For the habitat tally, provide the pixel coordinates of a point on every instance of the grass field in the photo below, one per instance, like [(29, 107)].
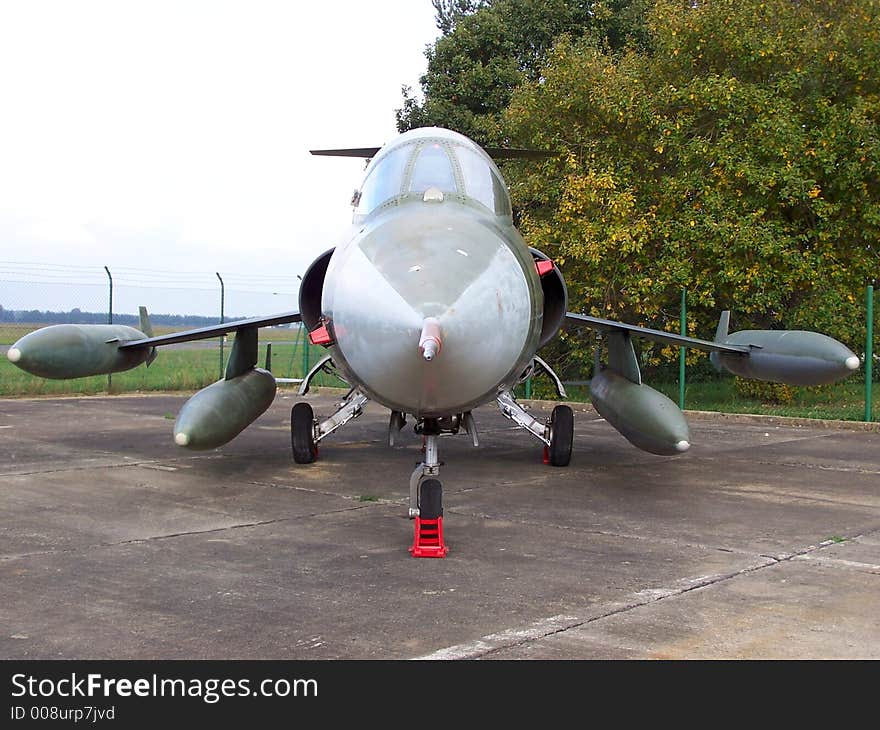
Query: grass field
[(191, 369), (844, 400), (173, 369)]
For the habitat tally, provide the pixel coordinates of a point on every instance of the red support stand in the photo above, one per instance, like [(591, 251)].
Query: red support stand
[(428, 540), (546, 454)]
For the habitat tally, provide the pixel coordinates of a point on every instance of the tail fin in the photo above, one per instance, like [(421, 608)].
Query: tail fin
[(721, 333), (147, 328), (723, 326)]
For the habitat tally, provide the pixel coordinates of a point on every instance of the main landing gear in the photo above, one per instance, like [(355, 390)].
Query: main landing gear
[(306, 431), (557, 434)]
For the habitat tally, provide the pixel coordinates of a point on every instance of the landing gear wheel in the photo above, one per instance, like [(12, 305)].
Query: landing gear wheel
[(561, 435), (430, 499), (302, 433)]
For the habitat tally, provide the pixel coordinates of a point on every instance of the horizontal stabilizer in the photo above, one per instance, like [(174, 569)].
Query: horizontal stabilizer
[(498, 153), (365, 152)]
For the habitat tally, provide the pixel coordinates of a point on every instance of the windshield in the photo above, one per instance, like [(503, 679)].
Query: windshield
[(447, 165), (432, 169)]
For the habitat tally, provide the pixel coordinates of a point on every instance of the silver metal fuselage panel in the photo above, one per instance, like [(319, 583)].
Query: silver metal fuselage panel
[(451, 260)]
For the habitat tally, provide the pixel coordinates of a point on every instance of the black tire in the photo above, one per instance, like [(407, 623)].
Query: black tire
[(430, 499), (561, 435), (302, 433)]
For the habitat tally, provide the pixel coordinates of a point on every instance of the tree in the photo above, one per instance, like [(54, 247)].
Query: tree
[(489, 47), (739, 158), (449, 12)]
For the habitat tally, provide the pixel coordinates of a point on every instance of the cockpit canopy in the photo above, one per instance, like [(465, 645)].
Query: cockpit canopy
[(433, 159)]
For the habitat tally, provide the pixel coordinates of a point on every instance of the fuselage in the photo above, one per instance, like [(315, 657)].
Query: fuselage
[(433, 241)]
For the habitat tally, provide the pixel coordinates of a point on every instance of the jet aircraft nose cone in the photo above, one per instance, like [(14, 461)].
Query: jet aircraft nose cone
[(852, 362), (13, 354)]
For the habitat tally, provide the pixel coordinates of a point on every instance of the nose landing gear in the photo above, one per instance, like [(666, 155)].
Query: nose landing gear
[(426, 497)]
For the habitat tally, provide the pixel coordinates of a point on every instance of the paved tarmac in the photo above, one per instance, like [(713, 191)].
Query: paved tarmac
[(762, 541)]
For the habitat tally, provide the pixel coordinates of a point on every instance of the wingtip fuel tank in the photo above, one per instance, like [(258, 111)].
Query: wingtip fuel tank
[(64, 351), (793, 357)]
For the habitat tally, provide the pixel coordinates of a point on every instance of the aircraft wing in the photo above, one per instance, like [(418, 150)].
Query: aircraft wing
[(667, 338), (215, 330)]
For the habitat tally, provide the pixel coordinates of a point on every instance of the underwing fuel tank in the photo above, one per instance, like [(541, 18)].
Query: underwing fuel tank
[(64, 351), (793, 357), (217, 414), (644, 416)]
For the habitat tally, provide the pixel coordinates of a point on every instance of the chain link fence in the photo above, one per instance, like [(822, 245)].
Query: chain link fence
[(34, 296), (37, 295)]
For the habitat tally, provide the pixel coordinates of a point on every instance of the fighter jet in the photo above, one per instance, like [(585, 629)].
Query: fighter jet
[(434, 306)]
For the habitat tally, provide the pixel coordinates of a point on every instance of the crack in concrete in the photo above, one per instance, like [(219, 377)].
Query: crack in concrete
[(556, 625), (604, 533), (117, 465), (784, 496), (349, 497), (821, 467), (168, 536)]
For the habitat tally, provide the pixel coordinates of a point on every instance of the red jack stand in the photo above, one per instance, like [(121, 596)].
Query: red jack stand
[(428, 540), (546, 454)]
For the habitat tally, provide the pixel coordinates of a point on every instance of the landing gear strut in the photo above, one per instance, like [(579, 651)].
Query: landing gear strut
[(306, 431), (426, 497), (427, 469), (556, 434)]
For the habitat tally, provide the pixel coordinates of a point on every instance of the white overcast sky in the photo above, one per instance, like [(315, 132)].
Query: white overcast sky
[(175, 135)]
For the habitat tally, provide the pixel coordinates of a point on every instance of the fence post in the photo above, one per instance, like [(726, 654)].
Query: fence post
[(683, 350), (109, 321), (222, 319), (869, 349)]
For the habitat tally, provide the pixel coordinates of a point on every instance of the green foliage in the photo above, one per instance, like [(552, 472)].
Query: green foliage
[(740, 159), (449, 12), (490, 47), (764, 391)]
